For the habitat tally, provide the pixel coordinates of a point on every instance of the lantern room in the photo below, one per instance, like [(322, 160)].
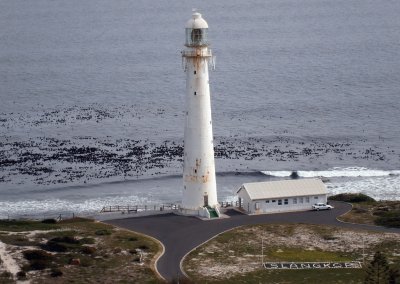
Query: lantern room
[(196, 31)]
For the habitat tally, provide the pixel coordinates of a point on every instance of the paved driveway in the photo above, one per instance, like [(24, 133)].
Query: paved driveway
[(180, 234)]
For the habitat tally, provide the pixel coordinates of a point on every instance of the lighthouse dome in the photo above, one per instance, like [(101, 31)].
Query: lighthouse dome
[(196, 22), (196, 31)]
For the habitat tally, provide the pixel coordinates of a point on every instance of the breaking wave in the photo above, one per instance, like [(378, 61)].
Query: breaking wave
[(335, 172)]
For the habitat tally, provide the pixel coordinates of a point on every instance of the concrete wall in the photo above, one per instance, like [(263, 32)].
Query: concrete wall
[(283, 204)]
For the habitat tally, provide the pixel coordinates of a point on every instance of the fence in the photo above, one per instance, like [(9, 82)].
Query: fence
[(139, 208), (155, 207)]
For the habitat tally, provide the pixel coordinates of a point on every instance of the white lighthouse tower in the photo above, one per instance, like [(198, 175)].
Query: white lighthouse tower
[(199, 190)]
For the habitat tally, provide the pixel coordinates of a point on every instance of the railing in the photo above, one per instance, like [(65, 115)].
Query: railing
[(225, 204), (157, 207), (139, 208), (197, 53)]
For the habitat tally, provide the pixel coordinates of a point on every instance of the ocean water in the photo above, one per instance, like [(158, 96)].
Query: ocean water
[(92, 98)]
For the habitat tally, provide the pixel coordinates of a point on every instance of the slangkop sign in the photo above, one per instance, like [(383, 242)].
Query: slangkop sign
[(311, 265)]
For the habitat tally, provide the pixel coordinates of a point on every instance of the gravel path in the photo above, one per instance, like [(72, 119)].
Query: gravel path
[(180, 234)]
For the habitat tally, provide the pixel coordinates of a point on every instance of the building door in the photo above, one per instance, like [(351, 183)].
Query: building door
[(205, 200)]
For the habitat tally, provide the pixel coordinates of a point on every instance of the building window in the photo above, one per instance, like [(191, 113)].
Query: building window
[(194, 72), (294, 200), (300, 199), (307, 199), (279, 201), (286, 201), (273, 200), (315, 197), (266, 201), (195, 93)]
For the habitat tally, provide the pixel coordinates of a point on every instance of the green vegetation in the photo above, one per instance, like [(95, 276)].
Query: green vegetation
[(25, 225), (388, 218), (301, 255), (236, 256), (79, 251), (352, 198), (331, 276), (368, 211), (17, 240), (38, 259), (377, 270)]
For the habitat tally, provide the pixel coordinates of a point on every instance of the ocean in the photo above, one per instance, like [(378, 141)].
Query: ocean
[(92, 99)]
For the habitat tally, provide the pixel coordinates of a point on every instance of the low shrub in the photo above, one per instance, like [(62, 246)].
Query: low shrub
[(76, 220), (329, 237), (21, 275), (143, 247), (87, 241), (38, 264), (54, 246), (56, 272), (49, 221), (389, 219), (360, 210), (37, 255), (25, 225), (88, 250), (65, 239), (133, 251), (352, 197), (103, 232), (6, 274), (61, 244), (38, 259)]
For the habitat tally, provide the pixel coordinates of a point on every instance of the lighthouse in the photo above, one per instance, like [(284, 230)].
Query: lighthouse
[(199, 184)]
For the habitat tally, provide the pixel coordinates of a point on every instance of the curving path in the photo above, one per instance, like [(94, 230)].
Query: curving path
[(180, 234)]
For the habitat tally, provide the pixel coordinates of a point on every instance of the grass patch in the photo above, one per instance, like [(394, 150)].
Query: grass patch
[(57, 234), (301, 255), (76, 220), (17, 240), (329, 276), (103, 232), (25, 225)]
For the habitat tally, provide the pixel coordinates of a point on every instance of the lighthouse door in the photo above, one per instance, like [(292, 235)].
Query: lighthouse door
[(205, 200)]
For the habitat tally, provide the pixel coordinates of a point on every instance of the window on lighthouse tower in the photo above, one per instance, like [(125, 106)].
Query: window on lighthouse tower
[(196, 36)]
